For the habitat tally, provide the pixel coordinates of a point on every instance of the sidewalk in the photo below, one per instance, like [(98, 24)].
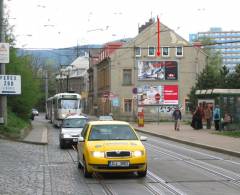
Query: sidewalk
[(38, 134), (203, 138)]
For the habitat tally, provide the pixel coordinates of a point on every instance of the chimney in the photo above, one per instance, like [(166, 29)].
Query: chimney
[(147, 24)]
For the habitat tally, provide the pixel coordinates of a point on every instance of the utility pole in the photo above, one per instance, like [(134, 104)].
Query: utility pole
[(46, 89), (3, 98)]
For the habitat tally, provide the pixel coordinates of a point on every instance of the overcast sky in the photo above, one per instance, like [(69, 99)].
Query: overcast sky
[(65, 23)]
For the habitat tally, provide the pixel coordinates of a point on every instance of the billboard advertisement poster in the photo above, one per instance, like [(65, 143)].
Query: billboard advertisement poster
[(168, 95), (4, 52), (10, 84), (157, 70), (115, 102)]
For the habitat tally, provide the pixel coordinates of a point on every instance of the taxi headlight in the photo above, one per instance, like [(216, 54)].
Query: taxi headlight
[(137, 153), (98, 154)]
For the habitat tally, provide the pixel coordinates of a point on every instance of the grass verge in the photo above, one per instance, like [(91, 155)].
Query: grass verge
[(15, 128), (229, 133)]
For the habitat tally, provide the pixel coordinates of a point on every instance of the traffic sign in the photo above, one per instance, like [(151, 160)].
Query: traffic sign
[(157, 96), (134, 90)]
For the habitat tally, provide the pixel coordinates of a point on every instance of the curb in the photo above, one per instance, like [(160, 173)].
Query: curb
[(32, 142), (24, 141), (43, 140), (215, 149)]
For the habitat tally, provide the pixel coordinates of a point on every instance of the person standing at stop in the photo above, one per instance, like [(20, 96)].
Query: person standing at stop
[(216, 117)]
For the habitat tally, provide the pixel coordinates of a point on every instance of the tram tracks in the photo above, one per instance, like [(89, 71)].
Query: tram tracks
[(155, 185), (107, 189), (214, 170)]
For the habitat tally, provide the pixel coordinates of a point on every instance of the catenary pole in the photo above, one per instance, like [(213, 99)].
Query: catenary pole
[(46, 89), (3, 98)]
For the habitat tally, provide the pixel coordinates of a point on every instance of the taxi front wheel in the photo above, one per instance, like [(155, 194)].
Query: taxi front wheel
[(142, 173), (86, 173)]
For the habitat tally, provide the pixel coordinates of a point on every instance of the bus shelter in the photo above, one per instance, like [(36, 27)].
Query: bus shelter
[(227, 99)]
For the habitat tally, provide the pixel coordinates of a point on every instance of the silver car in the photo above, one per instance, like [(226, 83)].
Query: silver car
[(70, 130)]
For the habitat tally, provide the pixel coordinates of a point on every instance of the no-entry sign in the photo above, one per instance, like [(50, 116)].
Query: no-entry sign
[(157, 96)]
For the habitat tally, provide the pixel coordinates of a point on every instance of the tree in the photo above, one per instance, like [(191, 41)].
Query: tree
[(30, 87), (210, 77), (233, 78), (223, 79)]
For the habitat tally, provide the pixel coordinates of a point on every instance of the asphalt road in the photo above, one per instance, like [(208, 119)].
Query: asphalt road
[(173, 169)]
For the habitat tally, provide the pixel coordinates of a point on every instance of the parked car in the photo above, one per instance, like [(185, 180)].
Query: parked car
[(35, 112), (71, 129), (111, 146)]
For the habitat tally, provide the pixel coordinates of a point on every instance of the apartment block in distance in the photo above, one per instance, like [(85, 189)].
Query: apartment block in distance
[(228, 44)]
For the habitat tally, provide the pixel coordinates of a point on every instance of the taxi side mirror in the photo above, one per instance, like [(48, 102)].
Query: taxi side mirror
[(80, 139), (143, 138)]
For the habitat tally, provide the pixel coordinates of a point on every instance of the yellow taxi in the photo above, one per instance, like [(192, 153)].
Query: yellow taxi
[(111, 146)]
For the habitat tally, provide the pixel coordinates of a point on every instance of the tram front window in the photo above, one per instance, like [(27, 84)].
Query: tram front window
[(69, 104)]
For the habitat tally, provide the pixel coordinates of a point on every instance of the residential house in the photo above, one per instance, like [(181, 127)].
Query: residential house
[(74, 77), (129, 79)]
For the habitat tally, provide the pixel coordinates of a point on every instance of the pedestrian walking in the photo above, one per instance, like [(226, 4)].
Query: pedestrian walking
[(216, 117), (208, 115), (177, 116)]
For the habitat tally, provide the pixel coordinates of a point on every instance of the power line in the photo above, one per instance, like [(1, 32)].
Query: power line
[(130, 47)]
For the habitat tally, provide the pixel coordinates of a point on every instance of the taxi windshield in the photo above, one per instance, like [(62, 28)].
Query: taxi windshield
[(111, 132)]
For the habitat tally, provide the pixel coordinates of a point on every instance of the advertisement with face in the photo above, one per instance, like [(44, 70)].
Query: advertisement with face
[(157, 70)]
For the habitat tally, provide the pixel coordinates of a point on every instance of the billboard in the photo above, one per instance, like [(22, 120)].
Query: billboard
[(4, 52), (168, 95), (157, 70), (10, 84)]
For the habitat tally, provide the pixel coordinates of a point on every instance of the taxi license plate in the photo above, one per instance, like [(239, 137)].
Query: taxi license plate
[(75, 139), (118, 163)]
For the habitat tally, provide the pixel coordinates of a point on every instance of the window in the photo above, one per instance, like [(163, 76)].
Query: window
[(138, 51), (84, 131), (127, 105), (151, 51), (165, 51), (74, 123), (179, 51), (127, 77), (112, 132)]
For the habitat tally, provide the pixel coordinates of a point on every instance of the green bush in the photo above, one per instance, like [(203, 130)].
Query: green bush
[(14, 127)]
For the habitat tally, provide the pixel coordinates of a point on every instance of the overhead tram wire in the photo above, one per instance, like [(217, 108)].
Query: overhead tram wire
[(121, 48), (209, 44)]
